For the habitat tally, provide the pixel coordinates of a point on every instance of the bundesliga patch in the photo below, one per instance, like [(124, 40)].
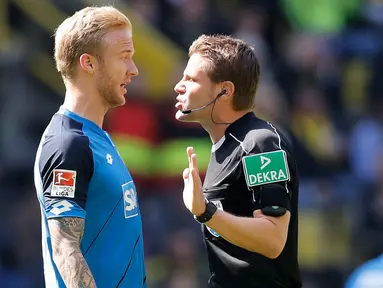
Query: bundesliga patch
[(266, 168), (64, 183)]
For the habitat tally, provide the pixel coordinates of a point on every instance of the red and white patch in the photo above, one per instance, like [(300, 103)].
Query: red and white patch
[(64, 183)]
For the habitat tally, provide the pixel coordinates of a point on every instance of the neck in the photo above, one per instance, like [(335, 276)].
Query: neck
[(217, 131), (85, 103)]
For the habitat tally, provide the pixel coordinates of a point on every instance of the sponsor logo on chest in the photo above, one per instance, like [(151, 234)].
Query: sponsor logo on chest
[(130, 200)]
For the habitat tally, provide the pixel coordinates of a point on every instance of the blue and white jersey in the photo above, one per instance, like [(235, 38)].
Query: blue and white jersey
[(368, 275), (79, 173)]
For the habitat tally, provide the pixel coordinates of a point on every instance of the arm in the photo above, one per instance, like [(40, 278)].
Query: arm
[(267, 175), (66, 167), (66, 234), (263, 234)]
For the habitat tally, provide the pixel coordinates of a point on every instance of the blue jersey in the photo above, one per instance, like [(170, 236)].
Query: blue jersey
[(79, 173), (368, 275)]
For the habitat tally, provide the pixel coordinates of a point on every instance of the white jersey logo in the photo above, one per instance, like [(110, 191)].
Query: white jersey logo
[(60, 178), (109, 159), (130, 200)]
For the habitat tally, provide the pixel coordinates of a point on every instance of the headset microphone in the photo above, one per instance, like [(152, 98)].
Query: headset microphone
[(204, 106)]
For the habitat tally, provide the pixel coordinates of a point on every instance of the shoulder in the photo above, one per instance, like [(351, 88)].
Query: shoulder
[(65, 147), (265, 137), (66, 142), (64, 134), (73, 142)]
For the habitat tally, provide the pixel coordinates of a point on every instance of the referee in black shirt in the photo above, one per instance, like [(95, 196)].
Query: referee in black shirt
[(248, 203)]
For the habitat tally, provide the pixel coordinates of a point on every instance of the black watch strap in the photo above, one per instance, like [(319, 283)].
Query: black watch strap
[(209, 212)]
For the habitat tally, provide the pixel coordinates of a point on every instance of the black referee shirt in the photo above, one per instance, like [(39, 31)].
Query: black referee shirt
[(241, 186)]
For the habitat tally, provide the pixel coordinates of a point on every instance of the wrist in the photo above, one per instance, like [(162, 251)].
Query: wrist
[(202, 210), (210, 210)]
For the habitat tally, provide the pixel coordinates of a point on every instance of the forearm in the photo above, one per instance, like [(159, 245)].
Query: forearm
[(66, 234), (72, 266), (258, 235)]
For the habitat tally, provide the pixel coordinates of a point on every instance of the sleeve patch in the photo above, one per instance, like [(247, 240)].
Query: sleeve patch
[(64, 183), (64, 208), (266, 168)]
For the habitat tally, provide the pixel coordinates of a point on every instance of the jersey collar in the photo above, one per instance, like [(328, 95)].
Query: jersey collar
[(217, 145), (81, 119), (240, 124)]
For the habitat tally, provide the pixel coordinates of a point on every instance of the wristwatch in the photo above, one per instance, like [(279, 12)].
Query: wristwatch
[(209, 212)]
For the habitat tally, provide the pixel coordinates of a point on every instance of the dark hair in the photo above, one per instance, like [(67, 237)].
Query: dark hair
[(231, 60)]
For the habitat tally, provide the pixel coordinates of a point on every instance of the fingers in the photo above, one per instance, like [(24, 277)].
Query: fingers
[(192, 157), (194, 161), (191, 173), (189, 152), (195, 180)]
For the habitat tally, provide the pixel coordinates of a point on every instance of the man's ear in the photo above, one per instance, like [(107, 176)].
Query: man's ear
[(87, 63), (227, 90)]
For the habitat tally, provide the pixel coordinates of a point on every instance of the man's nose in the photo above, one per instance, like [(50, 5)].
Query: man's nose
[(180, 88), (133, 70)]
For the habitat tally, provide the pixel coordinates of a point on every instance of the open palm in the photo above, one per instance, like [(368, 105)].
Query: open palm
[(193, 197)]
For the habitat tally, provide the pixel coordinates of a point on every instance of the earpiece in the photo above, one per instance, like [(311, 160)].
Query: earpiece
[(223, 92)]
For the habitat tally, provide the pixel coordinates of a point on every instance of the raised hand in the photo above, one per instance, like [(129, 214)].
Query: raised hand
[(193, 196)]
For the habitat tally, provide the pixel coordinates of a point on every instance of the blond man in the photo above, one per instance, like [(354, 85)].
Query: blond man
[(91, 223)]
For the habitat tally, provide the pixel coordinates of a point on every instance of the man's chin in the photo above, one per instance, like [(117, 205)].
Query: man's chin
[(183, 117), (123, 100), (117, 103)]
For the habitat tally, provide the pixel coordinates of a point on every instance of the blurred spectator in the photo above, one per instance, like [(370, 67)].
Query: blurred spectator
[(311, 123), (366, 141)]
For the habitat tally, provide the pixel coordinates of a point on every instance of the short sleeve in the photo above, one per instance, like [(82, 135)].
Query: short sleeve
[(267, 171), (66, 168)]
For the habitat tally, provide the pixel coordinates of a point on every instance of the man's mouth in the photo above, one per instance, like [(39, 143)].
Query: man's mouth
[(179, 106), (124, 87)]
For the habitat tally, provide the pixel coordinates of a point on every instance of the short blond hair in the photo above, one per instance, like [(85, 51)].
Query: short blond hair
[(84, 32)]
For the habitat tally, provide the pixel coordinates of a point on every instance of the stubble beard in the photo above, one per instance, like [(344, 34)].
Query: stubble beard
[(107, 91)]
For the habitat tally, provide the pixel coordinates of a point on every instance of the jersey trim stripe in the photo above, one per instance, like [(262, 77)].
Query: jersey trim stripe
[(130, 261), (103, 226), (280, 147), (241, 143)]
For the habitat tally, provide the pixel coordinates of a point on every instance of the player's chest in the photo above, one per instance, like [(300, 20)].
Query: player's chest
[(112, 182)]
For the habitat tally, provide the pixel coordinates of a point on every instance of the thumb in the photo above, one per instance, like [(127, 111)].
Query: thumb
[(185, 175)]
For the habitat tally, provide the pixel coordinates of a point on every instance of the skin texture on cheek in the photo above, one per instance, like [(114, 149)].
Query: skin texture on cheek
[(117, 67)]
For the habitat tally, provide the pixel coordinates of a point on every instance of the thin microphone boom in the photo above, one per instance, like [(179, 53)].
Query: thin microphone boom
[(200, 108), (204, 106)]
